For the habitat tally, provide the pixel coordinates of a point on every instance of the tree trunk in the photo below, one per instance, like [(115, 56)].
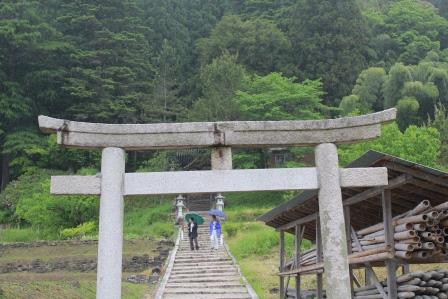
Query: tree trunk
[(4, 174)]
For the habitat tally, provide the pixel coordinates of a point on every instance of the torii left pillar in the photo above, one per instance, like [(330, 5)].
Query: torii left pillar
[(110, 239)]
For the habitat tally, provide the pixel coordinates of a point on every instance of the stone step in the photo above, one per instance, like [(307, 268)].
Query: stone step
[(208, 271), (203, 275), (209, 278), (205, 267), (229, 284), (229, 271), (194, 264), (202, 259), (186, 290), (207, 296), (192, 256)]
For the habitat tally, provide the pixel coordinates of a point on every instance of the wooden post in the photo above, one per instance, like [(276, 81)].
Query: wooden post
[(298, 241), (319, 276), (389, 236), (282, 264), (405, 268), (349, 243)]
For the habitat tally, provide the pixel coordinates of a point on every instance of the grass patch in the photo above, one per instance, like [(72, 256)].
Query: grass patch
[(148, 217), (64, 289), (11, 235), (254, 244)]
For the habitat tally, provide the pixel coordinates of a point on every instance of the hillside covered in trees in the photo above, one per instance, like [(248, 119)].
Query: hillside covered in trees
[(142, 61)]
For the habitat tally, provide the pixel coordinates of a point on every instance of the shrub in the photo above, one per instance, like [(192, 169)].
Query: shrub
[(161, 229), (231, 230), (82, 230)]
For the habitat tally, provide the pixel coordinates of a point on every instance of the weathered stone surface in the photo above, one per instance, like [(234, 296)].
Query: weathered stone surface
[(235, 134), (332, 223), (110, 244), (363, 177), (214, 181), (221, 158), (75, 184), (132, 264)]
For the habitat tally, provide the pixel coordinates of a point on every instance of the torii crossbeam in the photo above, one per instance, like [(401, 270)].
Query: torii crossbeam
[(114, 183)]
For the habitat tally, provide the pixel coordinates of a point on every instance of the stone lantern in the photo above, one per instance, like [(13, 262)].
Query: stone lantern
[(180, 205), (220, 202)]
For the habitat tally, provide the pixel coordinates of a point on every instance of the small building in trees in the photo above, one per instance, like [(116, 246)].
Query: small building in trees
[(413, 209)]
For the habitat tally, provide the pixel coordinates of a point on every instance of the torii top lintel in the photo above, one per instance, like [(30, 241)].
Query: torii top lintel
[(215, 134)]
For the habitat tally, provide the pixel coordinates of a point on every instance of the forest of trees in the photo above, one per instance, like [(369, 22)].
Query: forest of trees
[(141, 61)]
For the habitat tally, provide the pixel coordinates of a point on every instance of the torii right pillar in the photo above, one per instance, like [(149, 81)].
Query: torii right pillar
[(332, 223)]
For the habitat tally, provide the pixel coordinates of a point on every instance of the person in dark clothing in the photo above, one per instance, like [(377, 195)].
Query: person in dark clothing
[(193, 234)]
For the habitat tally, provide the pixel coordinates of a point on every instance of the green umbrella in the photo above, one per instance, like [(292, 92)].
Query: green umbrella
[(196, 218)]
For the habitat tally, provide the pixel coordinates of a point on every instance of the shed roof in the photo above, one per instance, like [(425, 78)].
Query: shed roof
[(420, 182)]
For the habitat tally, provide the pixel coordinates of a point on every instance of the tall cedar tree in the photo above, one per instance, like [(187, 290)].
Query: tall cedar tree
[(31, 55), (329, 38), (111, 70), (182, 23)]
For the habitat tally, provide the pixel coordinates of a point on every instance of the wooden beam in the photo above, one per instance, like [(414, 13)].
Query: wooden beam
[(418, 174), (429, 185), (396, 182), (349, 244), (368, 268), (306, 219), (386, 200), (282, 265), (319, 276), (298, 241)]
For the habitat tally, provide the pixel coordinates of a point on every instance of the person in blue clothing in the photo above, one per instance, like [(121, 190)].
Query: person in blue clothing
[(215, 232)]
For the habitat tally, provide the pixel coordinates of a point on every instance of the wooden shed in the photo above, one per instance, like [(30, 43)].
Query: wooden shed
[(411, 186)]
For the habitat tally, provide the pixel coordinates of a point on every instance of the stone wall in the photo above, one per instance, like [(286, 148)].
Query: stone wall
[(135, 264)]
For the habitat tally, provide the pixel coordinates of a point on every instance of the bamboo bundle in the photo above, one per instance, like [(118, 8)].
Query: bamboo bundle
[(419, 234), (418, 285)]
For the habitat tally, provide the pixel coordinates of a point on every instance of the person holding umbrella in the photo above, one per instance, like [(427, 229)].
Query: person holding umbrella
[(193, 233), (215, 232)]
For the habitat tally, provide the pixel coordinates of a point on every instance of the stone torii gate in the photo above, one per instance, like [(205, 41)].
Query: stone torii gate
[(114, 183)]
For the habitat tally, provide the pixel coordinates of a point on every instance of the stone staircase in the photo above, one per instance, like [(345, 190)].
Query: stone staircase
[(203, 274)]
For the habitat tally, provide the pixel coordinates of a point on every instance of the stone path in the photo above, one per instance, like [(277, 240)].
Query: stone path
[(204, 274)]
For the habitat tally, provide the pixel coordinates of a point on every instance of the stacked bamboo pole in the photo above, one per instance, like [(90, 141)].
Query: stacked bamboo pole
[(418, 285), (420, 234)]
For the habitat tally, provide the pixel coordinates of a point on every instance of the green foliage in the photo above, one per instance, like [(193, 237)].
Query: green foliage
[(417, 144), (330, 40), (247, 160), (405, 31), (12, 235), (28, 200), (254, 199), (82, 230), (161, 229), (274, 97), (413, 89), (258, 242), (220, 80), (258, 44), (114, 67), (440, 122), (148, 217), (368, 87), (230, 229), (407, 112)]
